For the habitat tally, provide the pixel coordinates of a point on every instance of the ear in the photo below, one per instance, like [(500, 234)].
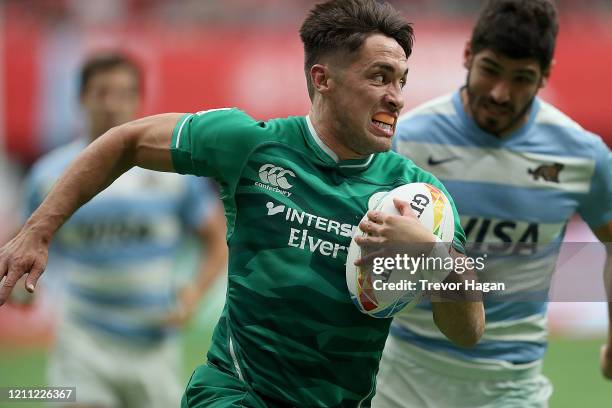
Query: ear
[(319, 74), (467, 55), (546, 75)]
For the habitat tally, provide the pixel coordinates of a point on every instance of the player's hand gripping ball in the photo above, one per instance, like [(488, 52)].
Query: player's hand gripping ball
[(435, 212)]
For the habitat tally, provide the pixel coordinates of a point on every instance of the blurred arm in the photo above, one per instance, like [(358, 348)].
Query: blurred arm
[(459, 315), (144, 143), (213, 258), (604, 234)]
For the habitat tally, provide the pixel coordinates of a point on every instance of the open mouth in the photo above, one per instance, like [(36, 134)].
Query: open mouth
[(383, 121)]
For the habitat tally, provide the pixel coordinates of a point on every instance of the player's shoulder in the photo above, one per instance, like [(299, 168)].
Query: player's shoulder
[(235, 120), (217, 121), (565, 131), (393, 160), (240, 117), (399, 167), (435, 117), (549, 115)]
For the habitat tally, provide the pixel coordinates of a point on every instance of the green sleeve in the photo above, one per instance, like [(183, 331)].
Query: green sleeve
[(215, 143)]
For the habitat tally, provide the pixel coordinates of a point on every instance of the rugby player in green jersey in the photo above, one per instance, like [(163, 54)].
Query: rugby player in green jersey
[(294, 191)]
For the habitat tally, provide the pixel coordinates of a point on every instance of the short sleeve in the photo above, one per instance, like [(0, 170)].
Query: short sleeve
[(201, 200), (596, 206), (215, 143)]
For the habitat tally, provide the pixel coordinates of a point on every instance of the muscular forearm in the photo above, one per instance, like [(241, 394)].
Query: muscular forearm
[(94, 169), (459, 315), (143, 143)]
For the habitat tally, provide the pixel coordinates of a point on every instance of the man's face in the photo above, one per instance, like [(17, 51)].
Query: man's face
[(500, 90), (365, 95), (111, 98)]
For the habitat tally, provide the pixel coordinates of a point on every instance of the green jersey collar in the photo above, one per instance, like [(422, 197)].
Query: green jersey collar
[(320, 147)]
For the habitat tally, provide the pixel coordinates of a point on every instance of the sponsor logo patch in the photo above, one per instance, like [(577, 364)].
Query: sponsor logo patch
[(549, 172), (275, 178)]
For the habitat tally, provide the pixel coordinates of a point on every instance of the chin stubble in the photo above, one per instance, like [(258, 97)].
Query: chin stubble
[(472, 103)]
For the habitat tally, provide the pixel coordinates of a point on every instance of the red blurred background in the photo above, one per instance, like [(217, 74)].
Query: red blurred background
[(246, 53)]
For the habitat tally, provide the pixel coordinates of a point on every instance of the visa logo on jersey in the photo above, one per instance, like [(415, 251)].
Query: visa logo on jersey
[(108, 232), (503, 237)]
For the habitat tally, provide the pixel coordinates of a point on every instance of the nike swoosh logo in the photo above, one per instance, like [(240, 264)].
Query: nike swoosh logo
[(432, 162)]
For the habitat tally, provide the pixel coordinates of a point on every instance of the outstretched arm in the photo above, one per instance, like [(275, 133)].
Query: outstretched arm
[(144, 143), (212, 263)]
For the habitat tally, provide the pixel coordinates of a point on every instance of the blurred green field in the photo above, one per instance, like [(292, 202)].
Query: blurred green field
[(572, 366), (25, 367)]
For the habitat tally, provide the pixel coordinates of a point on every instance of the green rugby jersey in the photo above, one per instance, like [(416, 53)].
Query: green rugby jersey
[(289, 329)]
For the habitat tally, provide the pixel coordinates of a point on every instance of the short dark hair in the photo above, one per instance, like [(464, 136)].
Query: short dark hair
[(518, 29), (105, 62), (343, 26)]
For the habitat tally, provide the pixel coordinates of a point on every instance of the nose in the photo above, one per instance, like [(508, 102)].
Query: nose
[(500, 92), (114, 103), (394, 97), (109, 102)]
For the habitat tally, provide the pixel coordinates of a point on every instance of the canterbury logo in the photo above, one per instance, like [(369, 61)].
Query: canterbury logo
[(275, 176)]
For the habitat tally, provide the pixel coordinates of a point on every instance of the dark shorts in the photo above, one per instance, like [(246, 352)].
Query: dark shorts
[(210, 387)]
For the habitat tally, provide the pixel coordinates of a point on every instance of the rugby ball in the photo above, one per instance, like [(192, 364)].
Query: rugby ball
[(382, 295)]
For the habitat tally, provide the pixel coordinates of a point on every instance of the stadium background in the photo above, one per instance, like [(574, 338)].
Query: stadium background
[(200, 54)]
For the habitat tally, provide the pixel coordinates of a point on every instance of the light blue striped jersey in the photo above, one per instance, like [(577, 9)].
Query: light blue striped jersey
[(521, 189), (117, 253)]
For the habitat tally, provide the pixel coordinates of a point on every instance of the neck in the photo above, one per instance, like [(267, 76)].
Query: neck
[(326, 126)]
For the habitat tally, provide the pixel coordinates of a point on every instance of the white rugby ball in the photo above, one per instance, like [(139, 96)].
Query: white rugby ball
[(434, 210)]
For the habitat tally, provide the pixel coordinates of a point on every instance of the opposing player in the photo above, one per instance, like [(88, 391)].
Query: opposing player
[(116, 338), (294, 190), (518, 169)]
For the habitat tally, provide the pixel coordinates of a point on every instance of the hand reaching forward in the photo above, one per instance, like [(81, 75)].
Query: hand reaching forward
[(27, 253)]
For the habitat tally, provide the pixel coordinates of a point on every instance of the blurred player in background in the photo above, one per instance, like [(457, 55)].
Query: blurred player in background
[(294, 190), (518, 169), (116, 339)]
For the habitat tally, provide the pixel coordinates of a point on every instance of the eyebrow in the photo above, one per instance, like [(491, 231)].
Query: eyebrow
[(386, 67), (526, 71)]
